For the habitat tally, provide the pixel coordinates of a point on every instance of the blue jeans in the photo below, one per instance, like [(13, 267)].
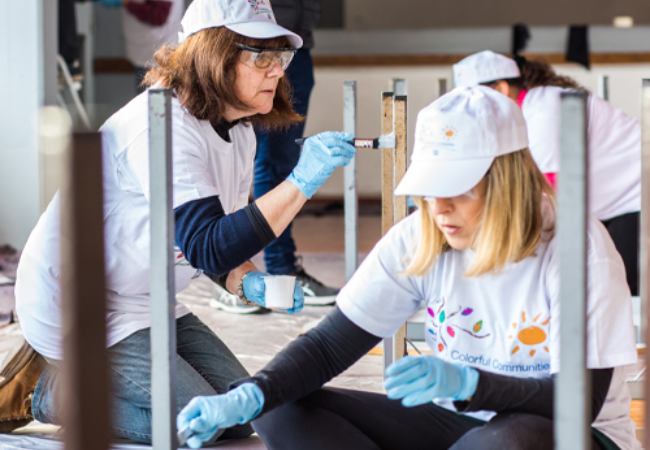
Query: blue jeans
[(278, 154), (205, 366)]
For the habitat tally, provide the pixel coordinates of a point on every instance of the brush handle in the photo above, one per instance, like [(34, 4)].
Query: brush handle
[(183, 435), (356, 143)]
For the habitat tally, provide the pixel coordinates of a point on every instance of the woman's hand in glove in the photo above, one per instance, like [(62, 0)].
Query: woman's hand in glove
[(254, 290), (321, 154), (420, 379), (204, 416)]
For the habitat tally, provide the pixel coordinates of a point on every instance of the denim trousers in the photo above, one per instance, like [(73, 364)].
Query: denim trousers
[(205, 366), (278, 154)]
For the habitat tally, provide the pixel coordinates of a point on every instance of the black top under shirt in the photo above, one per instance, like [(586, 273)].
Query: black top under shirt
[(223, 129), (214, 241), (336, 343)]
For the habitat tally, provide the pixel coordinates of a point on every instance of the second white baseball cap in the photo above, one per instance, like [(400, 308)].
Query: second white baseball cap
[(457, 138), (250, 18), (482, 67)]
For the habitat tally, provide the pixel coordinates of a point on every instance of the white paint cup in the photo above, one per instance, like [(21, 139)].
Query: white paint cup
[(279, 291)]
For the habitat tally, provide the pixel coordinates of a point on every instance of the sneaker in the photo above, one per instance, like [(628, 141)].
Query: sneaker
[(231, 303), (316, 293), (19, 374)]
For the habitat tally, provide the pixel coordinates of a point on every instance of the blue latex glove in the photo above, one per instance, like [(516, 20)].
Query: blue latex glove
[(204, 416), (321, 154), (419, 379), (111, 4), (254, 288)]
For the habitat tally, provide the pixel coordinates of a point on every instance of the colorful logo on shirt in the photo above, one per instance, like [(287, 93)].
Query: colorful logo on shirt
[(529, 337), (260, 7), (450, 323), (181, 261)]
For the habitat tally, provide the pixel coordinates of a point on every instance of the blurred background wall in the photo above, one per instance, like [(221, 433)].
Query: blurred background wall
[(367, 41)]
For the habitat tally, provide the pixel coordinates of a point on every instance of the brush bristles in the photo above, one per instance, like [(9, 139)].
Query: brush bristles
[(387, 141)]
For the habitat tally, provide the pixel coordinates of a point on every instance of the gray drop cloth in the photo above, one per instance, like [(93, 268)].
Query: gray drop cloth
[(53, 442), (254, 339)]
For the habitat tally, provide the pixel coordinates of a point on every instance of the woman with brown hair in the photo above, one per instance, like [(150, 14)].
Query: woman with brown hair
[(481, 253), (614, 141), (226, 73)]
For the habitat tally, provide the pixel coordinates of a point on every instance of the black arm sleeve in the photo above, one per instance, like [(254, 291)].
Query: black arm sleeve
[(217, 242), (312, 360), (501, 393), (260, 225)]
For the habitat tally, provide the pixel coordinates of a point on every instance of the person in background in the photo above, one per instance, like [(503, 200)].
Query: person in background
[(148, 25), (614, 141), (481, 252), (277, 155), (226, 74), (68, 39)]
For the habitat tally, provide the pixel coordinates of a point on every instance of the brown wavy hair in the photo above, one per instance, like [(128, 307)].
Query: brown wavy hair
[(202, 71), (537, 73)]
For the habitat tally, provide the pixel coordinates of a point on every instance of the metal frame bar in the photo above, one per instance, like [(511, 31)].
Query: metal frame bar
[(644, 238), (351, 194), (163, 302), (393, 118), (85, 363), (603, 87), (442, 86), (572, 399), (399, 86)]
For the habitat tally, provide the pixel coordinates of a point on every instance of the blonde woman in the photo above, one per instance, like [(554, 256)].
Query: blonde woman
[(614, 140), (481, 253)]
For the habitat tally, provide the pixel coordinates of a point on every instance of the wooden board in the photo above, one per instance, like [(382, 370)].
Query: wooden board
[(387, 162), (401, 208)]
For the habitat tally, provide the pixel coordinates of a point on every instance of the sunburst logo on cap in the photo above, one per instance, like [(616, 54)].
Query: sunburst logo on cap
[(449, 133), (260, 7)]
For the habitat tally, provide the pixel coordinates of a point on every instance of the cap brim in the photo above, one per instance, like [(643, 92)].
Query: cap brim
[(265, 30), (443, 178)]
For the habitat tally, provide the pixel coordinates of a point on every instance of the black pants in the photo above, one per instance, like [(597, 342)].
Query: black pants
[(624, 231), (68, 39), (332, 419)]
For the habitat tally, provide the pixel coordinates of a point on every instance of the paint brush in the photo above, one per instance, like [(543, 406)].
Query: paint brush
[(383, 141)]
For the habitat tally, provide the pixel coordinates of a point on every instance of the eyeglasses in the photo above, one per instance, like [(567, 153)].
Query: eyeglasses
[(265, 58)]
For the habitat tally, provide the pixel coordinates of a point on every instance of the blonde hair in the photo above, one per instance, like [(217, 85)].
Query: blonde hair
[(511, 219)]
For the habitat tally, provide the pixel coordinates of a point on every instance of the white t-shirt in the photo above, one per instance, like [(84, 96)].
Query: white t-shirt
[(614, 140), (143, 40), (203, 165), (505, 323)]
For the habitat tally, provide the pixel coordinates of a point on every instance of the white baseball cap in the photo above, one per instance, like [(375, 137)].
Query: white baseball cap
[(250, 18), (482, 67), (457, 138)]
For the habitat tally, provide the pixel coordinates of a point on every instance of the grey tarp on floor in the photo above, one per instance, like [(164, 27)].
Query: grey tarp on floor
[(254, 339)]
